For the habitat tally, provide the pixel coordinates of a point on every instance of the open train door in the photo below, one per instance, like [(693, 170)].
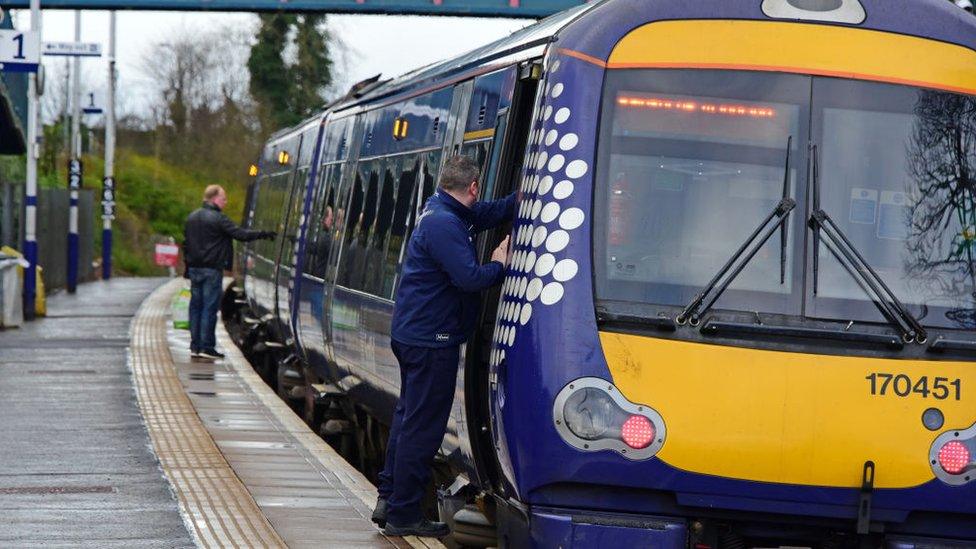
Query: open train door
[(502, 174)]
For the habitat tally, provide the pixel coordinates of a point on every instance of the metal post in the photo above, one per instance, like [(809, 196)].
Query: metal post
[(30, 186), (108, 184), (75, 169)]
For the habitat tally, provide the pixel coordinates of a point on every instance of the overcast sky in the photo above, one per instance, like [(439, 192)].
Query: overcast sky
[(390, 45)]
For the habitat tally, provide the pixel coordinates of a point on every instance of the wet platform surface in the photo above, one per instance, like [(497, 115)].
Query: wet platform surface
[(76, 465), (113, 437)]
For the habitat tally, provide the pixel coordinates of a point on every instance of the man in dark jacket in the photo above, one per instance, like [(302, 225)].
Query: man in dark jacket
[(436, 310), (208, 251)]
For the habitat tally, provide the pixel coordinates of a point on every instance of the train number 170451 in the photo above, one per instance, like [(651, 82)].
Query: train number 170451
[(939, 388)]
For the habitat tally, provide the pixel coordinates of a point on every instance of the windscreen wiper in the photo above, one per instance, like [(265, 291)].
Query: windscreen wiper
[(727, 274), (860, 270)]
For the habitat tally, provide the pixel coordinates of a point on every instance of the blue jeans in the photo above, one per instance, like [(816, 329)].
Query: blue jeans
[(205, 291), (427, 381)]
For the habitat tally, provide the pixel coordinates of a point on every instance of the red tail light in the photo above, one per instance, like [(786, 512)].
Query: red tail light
[(637, 432), (591, 415), (954, 457)]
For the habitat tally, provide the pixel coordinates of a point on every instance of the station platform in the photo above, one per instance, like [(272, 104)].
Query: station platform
[(114, 438)]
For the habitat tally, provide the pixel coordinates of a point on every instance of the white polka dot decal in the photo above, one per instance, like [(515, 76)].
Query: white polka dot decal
[(543, 263), (539, 236), (562, 115), (568, 142), (565, 270), (556, 163), (549, 212), (576, 169), (571, 219), (552, 293), (533, 290), (557, 241), (563, 190), (536, 208), (551, 137), (545, 185)]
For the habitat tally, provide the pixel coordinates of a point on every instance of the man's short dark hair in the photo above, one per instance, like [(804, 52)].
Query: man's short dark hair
[(459, 171)]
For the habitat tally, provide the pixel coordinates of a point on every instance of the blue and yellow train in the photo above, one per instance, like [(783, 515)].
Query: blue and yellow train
[(741, 306)]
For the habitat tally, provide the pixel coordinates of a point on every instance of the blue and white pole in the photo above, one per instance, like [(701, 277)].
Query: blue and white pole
[(108, 183), (30, 186), (74, 166)]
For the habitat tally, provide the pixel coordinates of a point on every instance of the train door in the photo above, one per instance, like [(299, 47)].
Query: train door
[(502, 170), (249, 256), (306, 185), (293, 199)]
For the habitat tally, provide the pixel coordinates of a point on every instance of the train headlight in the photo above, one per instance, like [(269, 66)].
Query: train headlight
[(953, 456), (590, 414)]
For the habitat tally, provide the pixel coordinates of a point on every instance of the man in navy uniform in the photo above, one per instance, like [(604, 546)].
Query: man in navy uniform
[(436, 310)]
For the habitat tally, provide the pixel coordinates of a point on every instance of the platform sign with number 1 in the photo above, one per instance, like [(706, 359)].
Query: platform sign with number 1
[(20, 51)]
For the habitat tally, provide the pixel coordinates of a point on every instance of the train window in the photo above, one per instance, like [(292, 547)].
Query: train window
[(321, 220), (406, 188), (478, 151), (432, 166), (376, 253), (358, 247), (691, 163), (350, 245), (890, 165), (295, 199)]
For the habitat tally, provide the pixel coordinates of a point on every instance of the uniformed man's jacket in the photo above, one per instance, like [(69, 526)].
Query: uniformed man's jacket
[(441, 279), (207, 238)]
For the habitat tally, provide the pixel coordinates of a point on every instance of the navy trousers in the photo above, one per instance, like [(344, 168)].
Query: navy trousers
[(427, 381), (205, 291)]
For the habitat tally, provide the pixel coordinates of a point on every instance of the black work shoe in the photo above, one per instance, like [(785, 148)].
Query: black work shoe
[(379, 513), (423, 529), (211, 354)]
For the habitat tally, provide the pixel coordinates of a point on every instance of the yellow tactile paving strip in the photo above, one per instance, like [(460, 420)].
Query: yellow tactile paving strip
[(214, 502), (227, 503)]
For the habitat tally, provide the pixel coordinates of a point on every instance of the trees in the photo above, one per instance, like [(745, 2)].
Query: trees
[(204, 119), (288, 88), (942, 161)]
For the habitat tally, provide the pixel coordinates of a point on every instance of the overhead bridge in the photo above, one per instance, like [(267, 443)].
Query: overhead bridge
[(479, 8)]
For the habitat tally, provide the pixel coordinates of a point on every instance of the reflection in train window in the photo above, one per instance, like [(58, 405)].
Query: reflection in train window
[(398, 228)]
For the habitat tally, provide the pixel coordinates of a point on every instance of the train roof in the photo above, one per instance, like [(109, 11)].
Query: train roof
[(537, 34), (595, 27), (598, 30)]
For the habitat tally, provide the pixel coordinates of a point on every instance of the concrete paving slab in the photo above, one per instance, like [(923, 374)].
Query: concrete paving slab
[(76, 464)]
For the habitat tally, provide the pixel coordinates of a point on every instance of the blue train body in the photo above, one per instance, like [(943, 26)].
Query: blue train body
[(545, 112)]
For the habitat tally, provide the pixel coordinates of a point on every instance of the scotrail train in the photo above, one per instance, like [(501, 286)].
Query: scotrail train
[(741, 306)]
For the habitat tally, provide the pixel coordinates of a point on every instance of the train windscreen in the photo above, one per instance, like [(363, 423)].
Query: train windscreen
[(691, 162)]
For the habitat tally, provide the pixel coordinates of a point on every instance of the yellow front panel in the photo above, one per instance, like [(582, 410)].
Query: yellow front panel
[(786, 417), (801, 48)]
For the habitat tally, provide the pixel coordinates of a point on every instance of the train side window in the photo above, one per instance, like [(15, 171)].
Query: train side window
[(432, 167), (398, 228), (294, 202), (359, 246), (350, 243), (381, 230), (319, 233), (478, 151)]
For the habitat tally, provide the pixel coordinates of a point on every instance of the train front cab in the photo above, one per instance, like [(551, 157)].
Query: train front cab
[(793, 411)]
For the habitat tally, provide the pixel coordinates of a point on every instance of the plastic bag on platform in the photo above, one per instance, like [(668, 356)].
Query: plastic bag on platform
[(181, 309)]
